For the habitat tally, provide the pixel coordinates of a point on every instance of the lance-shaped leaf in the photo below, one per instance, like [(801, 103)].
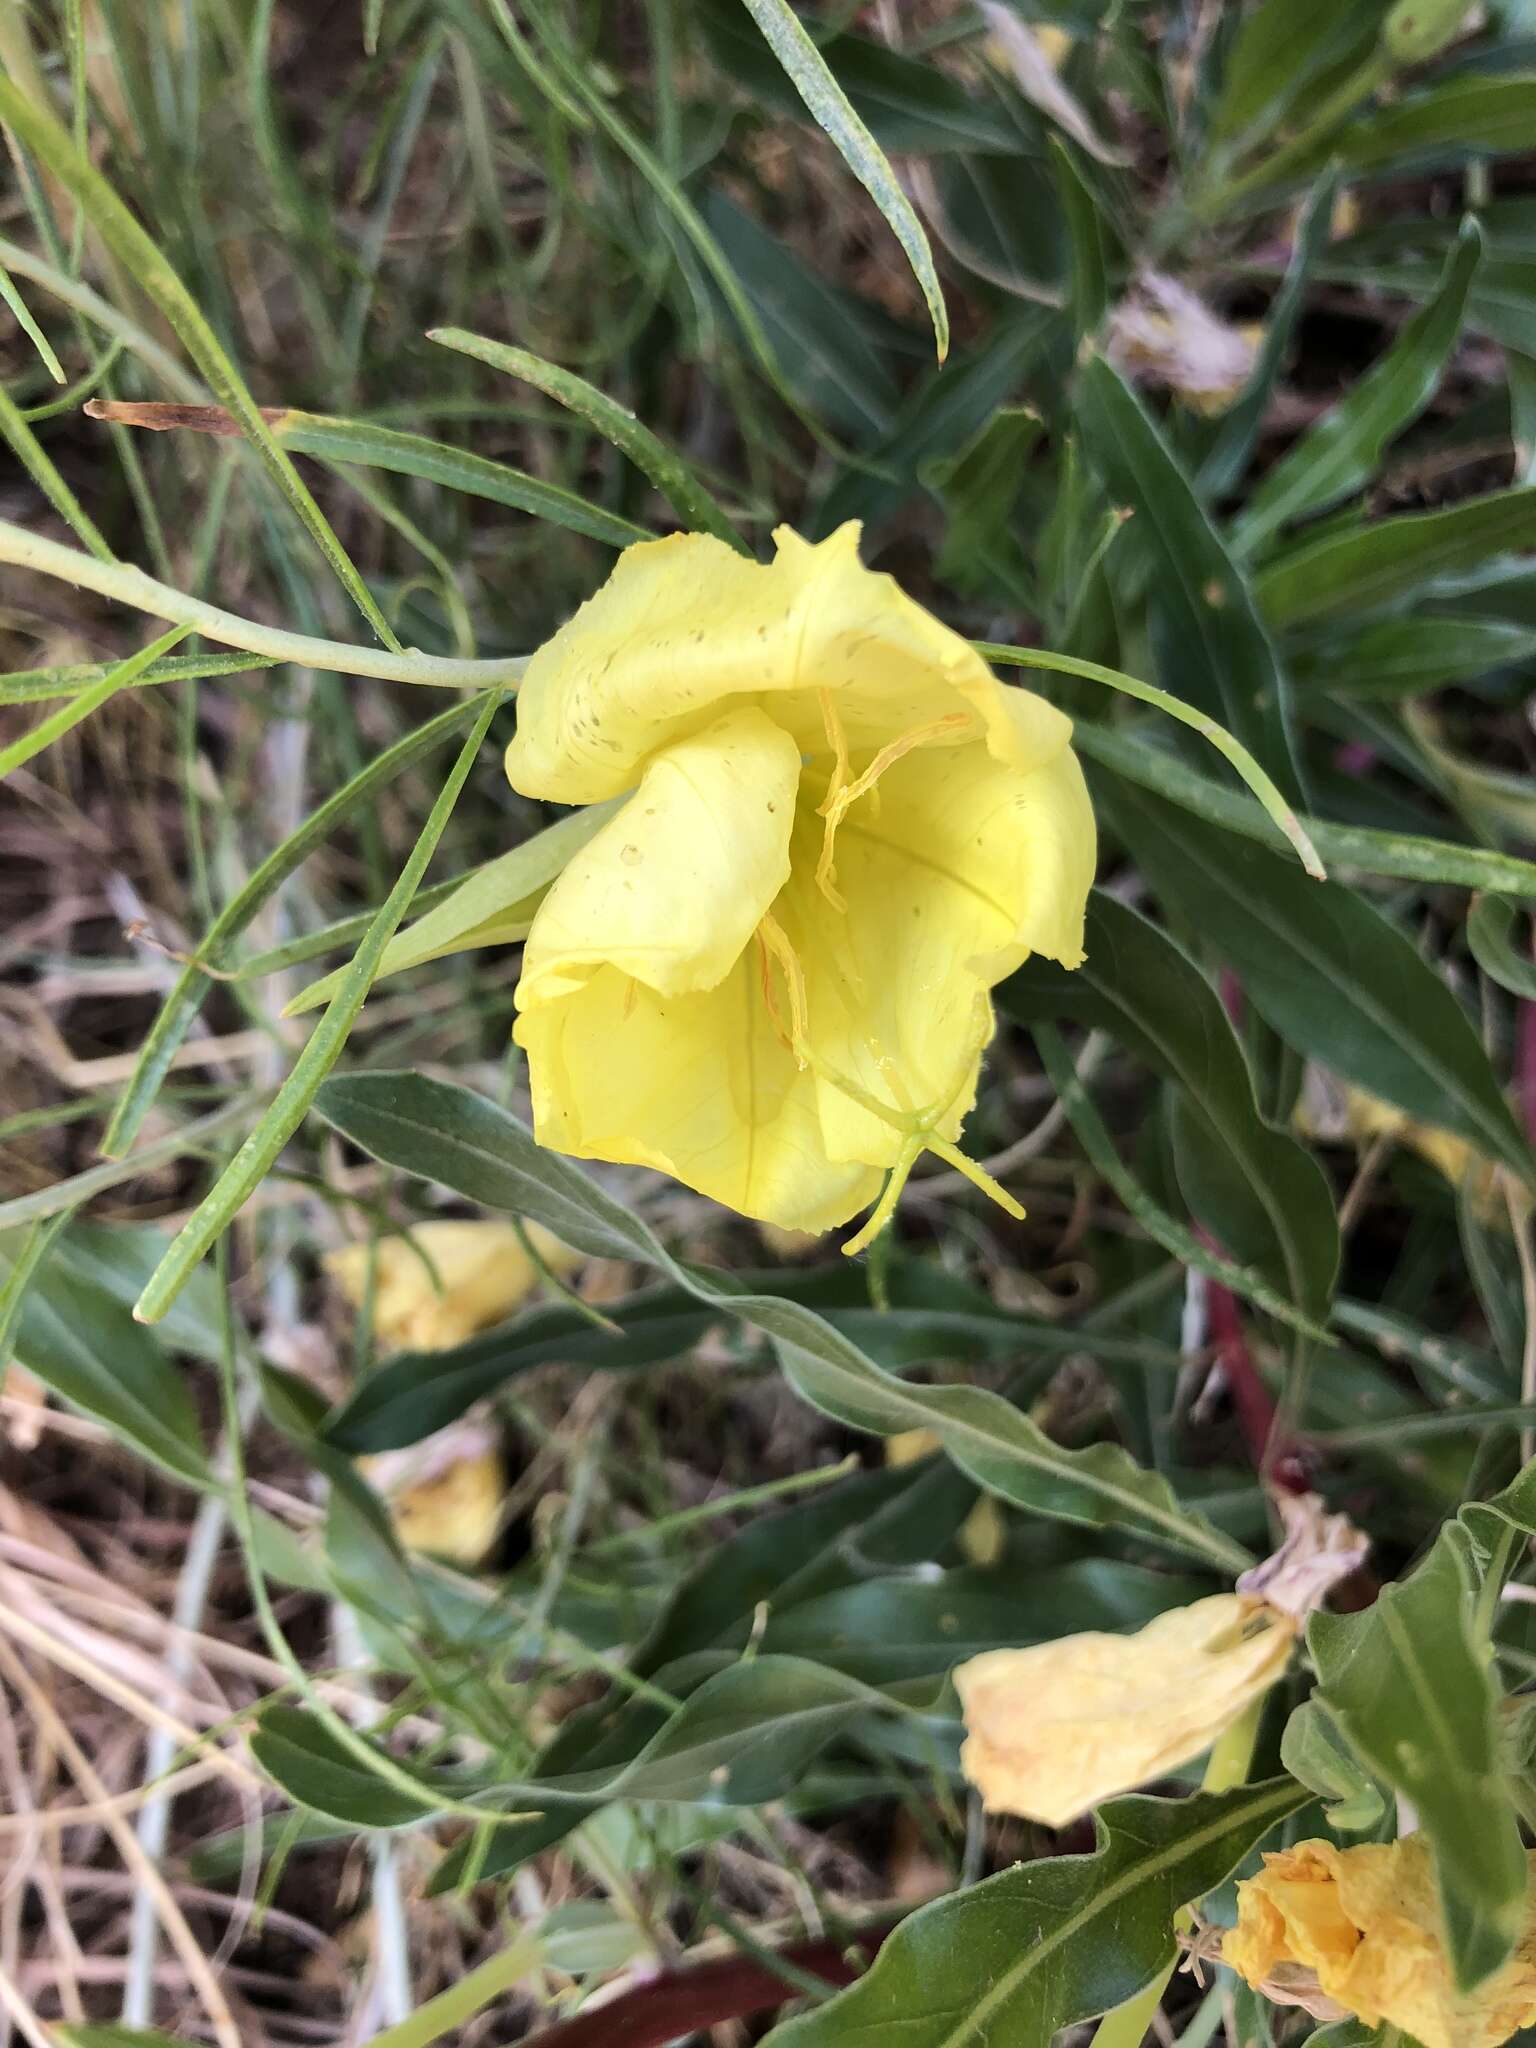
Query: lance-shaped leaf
[(450, 1134), (1049, 1943), (1412, 1690)]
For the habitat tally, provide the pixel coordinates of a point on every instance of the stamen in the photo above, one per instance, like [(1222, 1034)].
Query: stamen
[(890, 1195), (770, 999), (631, 996), (776, 946), (842, 794)]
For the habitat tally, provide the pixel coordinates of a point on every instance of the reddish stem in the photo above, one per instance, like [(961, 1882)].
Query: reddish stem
[(686, 2001)]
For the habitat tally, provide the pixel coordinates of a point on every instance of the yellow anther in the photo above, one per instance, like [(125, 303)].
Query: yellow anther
[(776, 946)]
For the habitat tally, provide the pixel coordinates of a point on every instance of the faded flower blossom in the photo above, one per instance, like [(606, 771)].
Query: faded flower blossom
[(768, 974), (1054, 1729), (1357, 1931), (446, 1280)]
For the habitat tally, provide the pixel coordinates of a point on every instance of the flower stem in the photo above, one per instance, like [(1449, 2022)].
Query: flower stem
[(123, 583), (1227, 1767)]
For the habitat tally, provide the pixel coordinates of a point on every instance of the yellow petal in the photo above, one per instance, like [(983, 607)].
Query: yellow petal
[(671, 890), (1055, 1729), (448, 1500), (445, 1280), (1365, 1922), (966, 867), (699, 1085), (685, 629)]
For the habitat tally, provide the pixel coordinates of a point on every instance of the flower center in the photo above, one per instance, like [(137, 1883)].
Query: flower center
[(845, 789)]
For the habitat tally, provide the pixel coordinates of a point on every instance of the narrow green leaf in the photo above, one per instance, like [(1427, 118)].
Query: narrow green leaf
[(1360, 567), (651, 456), (833, 112), (143, 260), (1492, 112), (1135, 757), (1213, 647), (492, 906), (1340, 454), (1408, 657), (1049, 1943), (451, 1135), (294, 1098), (1284, 50), (38, 685), (95, 1180), (1414, 1694), (85, 1347), (1140, 986), (121, 676), (1327, 970), (374, 447), (29, 326), (40, 466), (1490, 928), (182, 1004)]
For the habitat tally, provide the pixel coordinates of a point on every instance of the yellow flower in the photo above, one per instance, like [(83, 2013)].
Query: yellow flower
[(446, 1280), (1054, 1729), (768, 974), (1363, 1926)]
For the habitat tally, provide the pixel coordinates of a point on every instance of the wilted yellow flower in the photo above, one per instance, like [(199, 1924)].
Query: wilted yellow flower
[(1362, 1926), (1330, 1110), (446, 1280), (1054, 1729), (982, 1537), (1162, 333), (768, 974), (445, 1495)]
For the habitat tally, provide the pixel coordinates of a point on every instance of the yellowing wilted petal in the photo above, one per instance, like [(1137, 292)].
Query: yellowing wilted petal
[(445, 1280), (671, 890), (1054, 1729), (1365, 1924), (446, 1494)]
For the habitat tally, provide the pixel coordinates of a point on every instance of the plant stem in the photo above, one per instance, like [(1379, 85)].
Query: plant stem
[(130, 586)]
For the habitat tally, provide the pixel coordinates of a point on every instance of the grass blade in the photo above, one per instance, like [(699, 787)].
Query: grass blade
[(79, 708), (292, 1101), (29, 326), (141, 257), (666, 469), (185, 998), (834, 114)]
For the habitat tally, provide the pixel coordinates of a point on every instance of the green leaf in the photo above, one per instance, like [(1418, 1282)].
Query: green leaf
[(1334, 978), (834, 113), (1312, 1750), (451, 1135), (492, 906), (361, 441), (299, 1753), (36, 685), (150, 269), (907, 105), (827, 340), (1493, 113), (666, 469), (119, 677), (1408, 657), (1049, 1943), (1282, 51), (1140, 986), (1135, 756), (1215, 652), (84, 1345), (1412, 1690), (1490, 925), (182, 1004), (293, 1099), (1359, 567), (1340, 454)]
